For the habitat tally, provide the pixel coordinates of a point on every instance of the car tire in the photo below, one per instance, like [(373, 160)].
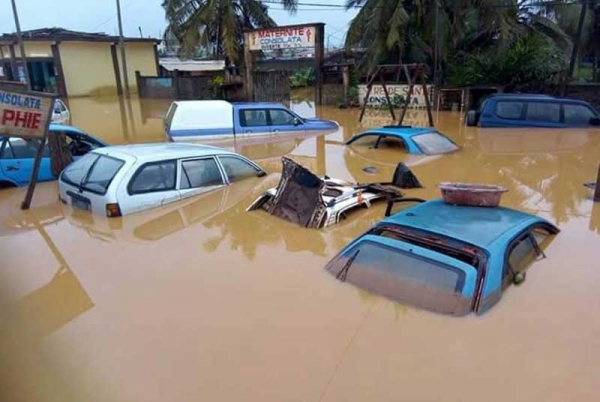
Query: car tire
[(471, 118)]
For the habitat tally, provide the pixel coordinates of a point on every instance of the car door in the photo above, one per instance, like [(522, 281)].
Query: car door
[(282, 121), (17, 158), (152, 185), (253, 122), (60, 114), (199, 175)]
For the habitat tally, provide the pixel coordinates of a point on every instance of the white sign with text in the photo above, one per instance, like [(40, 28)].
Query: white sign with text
[(377, 95)]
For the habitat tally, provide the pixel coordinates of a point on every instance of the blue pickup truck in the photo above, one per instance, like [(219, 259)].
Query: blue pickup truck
[(218, 120), (529, 110)]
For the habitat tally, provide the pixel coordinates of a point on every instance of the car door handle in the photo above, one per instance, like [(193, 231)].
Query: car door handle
[(275, 131), (248, 131), (11, 168)]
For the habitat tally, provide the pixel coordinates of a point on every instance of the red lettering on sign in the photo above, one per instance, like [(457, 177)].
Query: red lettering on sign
[(301, 31), (23, 119), (7, 115)]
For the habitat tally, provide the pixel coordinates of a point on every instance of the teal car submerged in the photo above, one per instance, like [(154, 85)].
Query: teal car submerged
[(17, 155), (444, 258), (415, 140)]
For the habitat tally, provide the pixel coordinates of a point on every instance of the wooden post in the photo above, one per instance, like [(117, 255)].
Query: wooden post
[(387, 97), (36, 164), (13, 62), (115, 60), (346, 81), (249, 68), (597, 191), (370, 81), (176, 83), (61, 85), (319, 56), (426, 94), (21, 46), (408, 95), (575, 51), (122, 45)]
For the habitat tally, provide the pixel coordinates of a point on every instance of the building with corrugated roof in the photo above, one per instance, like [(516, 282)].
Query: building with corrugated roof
[(73, 63)]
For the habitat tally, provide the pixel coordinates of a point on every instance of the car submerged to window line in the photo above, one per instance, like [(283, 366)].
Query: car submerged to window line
[(17, 155), (531, 110), (120, 180), (220, 120), (415, 140), (444, 258)]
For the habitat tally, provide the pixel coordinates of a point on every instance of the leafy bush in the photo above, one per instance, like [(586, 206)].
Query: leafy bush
[(529, 63), (302, 78)]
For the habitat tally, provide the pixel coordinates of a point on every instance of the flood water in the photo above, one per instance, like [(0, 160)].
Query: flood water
[(203, 301)]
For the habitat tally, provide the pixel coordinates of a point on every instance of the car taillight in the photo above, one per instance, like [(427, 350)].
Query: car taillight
[(113, 210)]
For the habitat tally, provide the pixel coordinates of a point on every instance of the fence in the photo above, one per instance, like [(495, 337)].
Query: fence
[(271, 86)]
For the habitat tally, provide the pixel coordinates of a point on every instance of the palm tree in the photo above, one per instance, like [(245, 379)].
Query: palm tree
[(217, 25)]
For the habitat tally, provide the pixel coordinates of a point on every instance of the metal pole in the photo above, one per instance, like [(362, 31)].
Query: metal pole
[(21, 46), (122, 44), (435, 45), (578, 38)]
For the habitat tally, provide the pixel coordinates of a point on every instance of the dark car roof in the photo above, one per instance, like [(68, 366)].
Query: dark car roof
[(525, 97), (479, 226)]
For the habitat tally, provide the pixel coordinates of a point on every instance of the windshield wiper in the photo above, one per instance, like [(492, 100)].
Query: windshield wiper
[(344, 271)]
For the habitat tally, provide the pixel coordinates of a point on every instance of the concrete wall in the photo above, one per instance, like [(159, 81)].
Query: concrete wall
[(140, 57), (88, 68)]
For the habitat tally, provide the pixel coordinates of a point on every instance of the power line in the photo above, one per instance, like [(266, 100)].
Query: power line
[(333, 7)]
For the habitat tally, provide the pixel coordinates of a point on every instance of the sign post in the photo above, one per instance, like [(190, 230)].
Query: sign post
[(286, 37), (26, 114)]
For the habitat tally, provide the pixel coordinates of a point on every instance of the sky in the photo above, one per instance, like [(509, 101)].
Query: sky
[(100, 16)]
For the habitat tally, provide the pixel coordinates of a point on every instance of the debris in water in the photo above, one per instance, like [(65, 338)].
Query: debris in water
[(404, 178), (370, 170)]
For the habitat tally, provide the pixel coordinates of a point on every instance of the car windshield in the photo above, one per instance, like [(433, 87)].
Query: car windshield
[(92, 172), (403, 276), (434, 143)]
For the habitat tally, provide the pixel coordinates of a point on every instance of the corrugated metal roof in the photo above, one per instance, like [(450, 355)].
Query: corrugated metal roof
[(172, 64)]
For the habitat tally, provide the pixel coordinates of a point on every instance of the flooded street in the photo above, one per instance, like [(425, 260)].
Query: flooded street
[(201, 300)]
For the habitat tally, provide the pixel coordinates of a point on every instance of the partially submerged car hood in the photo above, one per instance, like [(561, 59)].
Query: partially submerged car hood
[(310, 201)]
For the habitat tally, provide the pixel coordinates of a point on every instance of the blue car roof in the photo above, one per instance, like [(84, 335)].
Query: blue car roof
[(479, 226), (401, 131), (536, 97), (257, 105), (64, 127)]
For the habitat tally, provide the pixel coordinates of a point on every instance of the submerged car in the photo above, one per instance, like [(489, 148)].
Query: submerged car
[(18, 154), (314, 202), (60, 113), (415, 140), (529, 110), (444, 258), (120, 180), (216, 120)]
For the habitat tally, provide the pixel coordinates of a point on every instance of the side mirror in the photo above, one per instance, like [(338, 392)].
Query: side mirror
[(594, 121), (296, 121)]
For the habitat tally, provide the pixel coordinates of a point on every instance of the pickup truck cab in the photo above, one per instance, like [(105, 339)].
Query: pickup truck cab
[(217, 120), (526, 110)]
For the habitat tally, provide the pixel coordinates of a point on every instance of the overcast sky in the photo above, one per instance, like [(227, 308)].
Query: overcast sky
[(100, 16)]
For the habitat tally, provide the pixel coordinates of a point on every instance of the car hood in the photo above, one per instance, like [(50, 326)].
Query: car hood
[(315, 122)]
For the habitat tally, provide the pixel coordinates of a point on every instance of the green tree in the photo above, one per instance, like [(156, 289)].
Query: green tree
[(217, 25)]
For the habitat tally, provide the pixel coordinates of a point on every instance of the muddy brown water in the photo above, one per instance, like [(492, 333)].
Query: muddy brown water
[(201, 300)]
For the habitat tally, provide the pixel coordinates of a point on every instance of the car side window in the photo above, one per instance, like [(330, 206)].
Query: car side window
[(525, 251), (253, 117), (5, 149), (280, 117), (237, 169), (509, 110), (543, 111), (200, 173), (577, 114), (155, 176), (23, 149)]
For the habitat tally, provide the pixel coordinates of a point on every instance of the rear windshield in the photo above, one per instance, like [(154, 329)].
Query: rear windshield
[(92, 172), (434, 143), (402, 276)]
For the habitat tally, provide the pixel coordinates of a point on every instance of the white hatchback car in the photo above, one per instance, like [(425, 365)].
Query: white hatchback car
[(120, 180)]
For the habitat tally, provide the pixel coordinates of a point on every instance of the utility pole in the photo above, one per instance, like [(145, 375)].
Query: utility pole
[(435, 45), (575, 51), (122, 44), (21, 46)]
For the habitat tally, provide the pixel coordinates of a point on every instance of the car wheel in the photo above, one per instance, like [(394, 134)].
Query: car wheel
[(472, 118)]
